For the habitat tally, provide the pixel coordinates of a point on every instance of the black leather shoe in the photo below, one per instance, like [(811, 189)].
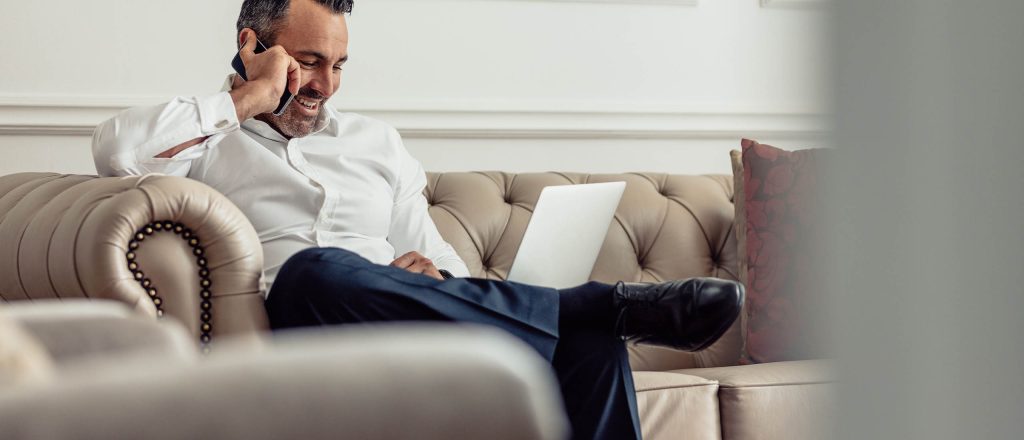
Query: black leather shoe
[(685, 315)]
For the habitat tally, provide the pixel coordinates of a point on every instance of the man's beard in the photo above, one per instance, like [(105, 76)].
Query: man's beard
[(293, 123)]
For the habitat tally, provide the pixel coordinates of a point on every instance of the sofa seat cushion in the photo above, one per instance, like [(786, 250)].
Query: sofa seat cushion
[(677, 406), (779, 400)]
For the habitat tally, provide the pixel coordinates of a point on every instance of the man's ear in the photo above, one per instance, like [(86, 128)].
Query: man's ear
[(244, 36)]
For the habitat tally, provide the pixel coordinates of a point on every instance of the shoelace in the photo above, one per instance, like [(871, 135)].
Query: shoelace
[(628, 304)]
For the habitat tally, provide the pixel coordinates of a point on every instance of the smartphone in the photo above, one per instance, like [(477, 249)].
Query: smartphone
[(240, 69)]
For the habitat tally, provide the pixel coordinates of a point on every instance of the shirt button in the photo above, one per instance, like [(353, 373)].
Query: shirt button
[(222, 124)]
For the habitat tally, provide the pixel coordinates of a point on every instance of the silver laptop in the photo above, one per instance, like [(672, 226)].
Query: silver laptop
[(565, 234)]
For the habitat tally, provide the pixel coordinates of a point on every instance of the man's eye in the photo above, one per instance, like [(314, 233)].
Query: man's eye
[(305, 64), (337, 68)]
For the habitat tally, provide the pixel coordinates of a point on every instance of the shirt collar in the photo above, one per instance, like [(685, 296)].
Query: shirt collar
[(327, 118)]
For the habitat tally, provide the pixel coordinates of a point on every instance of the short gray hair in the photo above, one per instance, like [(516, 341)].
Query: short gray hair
[(264, 16)]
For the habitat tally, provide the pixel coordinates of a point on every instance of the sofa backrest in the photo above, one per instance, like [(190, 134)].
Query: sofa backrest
[(666, 227), (68, 236)]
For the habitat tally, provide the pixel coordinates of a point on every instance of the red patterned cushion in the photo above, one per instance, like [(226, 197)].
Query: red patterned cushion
[(776, 206)]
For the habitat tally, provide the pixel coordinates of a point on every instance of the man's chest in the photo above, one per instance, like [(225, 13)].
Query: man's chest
[(303, 187)]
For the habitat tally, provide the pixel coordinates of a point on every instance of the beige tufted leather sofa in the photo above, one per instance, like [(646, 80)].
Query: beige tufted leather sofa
[(173, 247)]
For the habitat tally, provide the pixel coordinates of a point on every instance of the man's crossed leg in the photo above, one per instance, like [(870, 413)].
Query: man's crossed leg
[(580, 331)]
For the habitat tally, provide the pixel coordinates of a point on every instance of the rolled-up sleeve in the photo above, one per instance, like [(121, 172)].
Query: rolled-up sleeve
[(129, 143), (412, 229)]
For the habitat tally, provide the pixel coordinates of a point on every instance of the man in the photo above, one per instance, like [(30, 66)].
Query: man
[(338, 205)]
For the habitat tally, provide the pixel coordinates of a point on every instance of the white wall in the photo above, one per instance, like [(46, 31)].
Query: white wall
[(518, 85)]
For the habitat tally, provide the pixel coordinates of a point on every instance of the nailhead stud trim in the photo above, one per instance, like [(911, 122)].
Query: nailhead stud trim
[(205, 295)]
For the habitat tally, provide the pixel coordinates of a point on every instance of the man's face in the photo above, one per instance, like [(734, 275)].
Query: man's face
[(318, 39)]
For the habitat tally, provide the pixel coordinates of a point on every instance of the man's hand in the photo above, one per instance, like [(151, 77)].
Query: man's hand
[(416, 263), (269, 74)]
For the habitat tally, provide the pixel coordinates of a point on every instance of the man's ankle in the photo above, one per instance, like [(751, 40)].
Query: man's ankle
[(587, 305)]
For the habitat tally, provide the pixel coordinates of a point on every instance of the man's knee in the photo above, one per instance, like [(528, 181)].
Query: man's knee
[(322, 274), (313, 272), (314, 293), (329, 255), (319, 265)]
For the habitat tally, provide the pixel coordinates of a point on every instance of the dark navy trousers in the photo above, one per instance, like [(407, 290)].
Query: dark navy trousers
[(331, 286)]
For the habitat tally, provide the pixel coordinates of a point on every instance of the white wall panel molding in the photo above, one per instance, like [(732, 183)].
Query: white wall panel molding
[(51, 115)]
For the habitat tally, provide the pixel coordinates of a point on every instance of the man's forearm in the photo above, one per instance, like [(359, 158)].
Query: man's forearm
[(243, 110)]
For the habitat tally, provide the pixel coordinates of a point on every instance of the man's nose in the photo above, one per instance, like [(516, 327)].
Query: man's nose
[(322, 82)]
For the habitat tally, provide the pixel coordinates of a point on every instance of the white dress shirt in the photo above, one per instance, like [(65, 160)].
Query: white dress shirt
[(350, 184)]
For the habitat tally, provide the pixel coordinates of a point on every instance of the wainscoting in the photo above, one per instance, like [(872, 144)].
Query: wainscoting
[(49, 133)]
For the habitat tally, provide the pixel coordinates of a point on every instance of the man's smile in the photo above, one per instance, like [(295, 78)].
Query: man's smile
[(308, 104)]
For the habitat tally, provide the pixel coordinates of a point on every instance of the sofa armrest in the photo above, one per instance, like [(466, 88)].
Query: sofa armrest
[(165, 246), (74, 333), (424, 382)]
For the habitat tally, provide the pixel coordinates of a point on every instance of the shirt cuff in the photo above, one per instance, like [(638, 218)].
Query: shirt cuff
[(217, 113), (455, 266)]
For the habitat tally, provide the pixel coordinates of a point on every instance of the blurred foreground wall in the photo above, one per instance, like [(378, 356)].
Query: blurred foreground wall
[(928, 218)]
